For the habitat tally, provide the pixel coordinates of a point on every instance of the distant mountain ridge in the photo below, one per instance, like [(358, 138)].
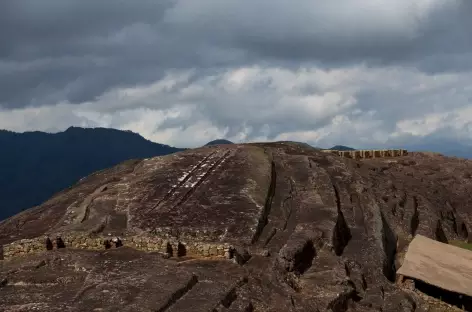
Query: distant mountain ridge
[(218, 141), (36, 165)]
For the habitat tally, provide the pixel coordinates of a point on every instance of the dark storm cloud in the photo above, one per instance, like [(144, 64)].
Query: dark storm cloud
[(54, 26), (56, 50), (75, 50), (331, 32)]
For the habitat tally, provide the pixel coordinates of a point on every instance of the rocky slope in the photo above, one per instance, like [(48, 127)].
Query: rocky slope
[(253, 227)]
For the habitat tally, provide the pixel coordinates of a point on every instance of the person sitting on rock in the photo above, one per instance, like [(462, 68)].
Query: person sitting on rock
[(117, 241), (60, 242), (49, 245), (107, 244)]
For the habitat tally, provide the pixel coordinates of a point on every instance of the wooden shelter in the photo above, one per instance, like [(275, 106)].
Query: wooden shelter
[(442, 269)]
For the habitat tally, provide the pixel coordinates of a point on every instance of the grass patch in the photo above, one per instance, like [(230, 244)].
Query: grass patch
[(461, 244)]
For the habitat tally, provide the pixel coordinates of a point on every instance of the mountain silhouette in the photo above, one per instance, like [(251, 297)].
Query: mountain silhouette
[(219, 141), (36, 165)]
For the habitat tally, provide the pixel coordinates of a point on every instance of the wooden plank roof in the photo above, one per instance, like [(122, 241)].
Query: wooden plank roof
[(438, 264)]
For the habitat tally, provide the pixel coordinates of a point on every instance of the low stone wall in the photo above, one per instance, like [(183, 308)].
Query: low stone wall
[(190, 234), (165, 245), (23, 247), (178, 248), (359, 154)]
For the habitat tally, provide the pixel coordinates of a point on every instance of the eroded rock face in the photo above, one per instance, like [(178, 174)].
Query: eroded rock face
[(254, 227)]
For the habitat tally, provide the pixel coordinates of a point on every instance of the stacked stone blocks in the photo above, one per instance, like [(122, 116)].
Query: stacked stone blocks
[(363, 154)]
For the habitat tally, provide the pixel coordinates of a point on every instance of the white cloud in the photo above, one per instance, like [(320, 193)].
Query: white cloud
[(357, 105), (460, 120)]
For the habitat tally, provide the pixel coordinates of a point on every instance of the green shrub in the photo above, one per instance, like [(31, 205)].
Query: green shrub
[(461, 244)]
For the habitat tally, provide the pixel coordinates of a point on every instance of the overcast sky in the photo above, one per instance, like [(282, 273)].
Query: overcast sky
[(364, 73)]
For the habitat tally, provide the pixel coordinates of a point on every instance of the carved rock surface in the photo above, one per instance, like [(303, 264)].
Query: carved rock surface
[(307, 231)]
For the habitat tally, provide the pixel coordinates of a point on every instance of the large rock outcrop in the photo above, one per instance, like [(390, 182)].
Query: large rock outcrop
[(252, 227)]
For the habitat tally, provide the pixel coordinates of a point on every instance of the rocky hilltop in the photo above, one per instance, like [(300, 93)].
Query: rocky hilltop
[(243, 227)]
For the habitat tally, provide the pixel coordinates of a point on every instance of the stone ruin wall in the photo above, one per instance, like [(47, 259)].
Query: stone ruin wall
[(164, 245), (190, 234), (363, 154)]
